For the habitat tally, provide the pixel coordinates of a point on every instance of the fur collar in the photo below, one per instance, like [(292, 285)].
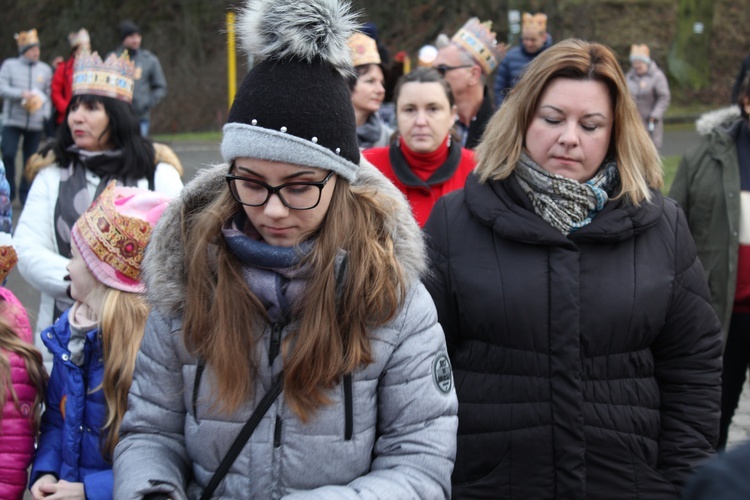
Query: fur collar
[(708, 121), (163, 266)]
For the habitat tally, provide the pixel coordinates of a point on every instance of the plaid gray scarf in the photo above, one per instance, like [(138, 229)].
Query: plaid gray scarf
[(565, 203)]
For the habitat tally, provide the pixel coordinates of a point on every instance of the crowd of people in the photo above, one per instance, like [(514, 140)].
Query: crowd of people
[(478, 291)]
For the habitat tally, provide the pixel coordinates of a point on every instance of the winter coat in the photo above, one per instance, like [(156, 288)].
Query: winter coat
[(17, 434), (39, 259), (62, 87), (389, 433), (511, 67), (150, 84), (724, 477), (422, 196), (707, 188), (479, 123), (651, 94), (586, 366), (71, 438), (17, 75)]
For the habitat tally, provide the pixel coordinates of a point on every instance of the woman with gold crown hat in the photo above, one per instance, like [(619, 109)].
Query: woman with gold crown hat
[(98, 141)]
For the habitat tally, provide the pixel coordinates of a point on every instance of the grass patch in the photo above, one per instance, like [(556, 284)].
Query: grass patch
[(670, 164), (213, 136)]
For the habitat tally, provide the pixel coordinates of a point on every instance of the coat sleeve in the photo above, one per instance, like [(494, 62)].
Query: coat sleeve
[(7, 91), (417, 423), (58, 86), (438, 281), (48, 459), (39, 262), (151, 457), (687, 360), (158, 84), (167, 180), (98, 486), (662, 96)]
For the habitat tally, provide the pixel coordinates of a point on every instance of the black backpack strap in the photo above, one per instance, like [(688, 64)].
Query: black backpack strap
[(244, 435)]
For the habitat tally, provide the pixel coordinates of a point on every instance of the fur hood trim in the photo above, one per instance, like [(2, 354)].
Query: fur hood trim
[(708, 121), (163, 266)]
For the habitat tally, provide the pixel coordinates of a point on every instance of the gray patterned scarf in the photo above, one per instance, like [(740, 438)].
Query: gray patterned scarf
[(565, 203)]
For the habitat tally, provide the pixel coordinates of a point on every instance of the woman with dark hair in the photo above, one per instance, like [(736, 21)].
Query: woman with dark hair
[(291, 350), (425, 162), (98, 141), (368, 92)]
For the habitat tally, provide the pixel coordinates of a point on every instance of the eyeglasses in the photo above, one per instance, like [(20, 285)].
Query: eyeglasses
[(294, 195), (444, 68)]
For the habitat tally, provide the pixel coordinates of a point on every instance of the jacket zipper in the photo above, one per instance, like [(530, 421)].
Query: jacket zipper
[(273, 351), (196, 387), (348, 408)]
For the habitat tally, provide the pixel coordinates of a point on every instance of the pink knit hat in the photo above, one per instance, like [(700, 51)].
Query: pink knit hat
[(112, 234)]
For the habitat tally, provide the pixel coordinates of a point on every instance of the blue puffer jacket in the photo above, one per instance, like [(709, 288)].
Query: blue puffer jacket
[(71, 439), (511, 67)]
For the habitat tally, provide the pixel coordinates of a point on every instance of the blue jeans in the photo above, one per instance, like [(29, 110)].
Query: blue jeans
[(11, 137)]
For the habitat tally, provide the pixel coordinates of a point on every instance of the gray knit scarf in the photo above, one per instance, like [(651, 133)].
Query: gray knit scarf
[(566, 204)]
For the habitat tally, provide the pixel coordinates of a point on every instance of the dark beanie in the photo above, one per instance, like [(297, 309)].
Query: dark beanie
[(127, 28), (295, 106)]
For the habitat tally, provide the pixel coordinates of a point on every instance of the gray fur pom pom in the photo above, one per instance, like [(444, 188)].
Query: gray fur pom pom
[(304, 29)]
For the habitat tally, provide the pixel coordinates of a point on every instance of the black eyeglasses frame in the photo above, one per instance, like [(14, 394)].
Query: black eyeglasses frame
[(271, 190)]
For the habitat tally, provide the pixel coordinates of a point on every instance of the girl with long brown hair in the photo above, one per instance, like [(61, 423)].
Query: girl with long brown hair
[(94, 345), (295, 266)]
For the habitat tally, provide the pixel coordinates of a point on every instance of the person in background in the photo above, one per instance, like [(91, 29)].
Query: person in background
[(23, 382), (650, 90), (94, 344), (150, 83), (465, 63), (285, 292), (586, 353), (425, 161), (534, 39), (368, 91), (62, 81), (25, 91), (744, 71), (712, 185), (99, 141), (724, 477)]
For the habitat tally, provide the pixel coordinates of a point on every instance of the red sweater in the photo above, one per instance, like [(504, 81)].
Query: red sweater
[(423, 178)]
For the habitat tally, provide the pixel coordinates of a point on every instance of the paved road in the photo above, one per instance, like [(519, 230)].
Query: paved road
[(195, 156)]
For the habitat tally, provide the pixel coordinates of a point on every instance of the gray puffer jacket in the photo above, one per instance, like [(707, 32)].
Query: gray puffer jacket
[(18, 75), (389, 431), (150, 83)]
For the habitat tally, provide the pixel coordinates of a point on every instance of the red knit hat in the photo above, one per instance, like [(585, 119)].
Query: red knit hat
[(112, 234)]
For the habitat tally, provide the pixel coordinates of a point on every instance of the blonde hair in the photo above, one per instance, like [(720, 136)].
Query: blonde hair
[(10, 342), (503, 141), (333, 319), (123, 321)]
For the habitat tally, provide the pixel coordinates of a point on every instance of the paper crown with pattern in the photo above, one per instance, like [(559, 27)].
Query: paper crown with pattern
[(364, 50), (478, 40), (537, 22), (80, 37), (26, 40), (111, 78), (113, 232), (640, 53)]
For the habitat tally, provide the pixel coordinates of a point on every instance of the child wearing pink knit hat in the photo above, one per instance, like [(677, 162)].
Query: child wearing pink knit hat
[(94, 345)]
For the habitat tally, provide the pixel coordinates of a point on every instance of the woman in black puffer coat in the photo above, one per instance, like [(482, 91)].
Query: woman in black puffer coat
[(586, 354)]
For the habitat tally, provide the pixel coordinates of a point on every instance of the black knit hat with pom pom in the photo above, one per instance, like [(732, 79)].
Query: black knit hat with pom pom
[(295, 106)]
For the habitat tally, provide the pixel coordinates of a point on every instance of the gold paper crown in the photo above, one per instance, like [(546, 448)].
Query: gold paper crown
[(111, 78), (478, 39), (26, 38), (537, 22), (81, 37), (640, 53), (364, 50), (8, 260)]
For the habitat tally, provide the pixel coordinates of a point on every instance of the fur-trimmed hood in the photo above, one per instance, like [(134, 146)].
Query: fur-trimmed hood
[(708, 121), (163, 266)]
